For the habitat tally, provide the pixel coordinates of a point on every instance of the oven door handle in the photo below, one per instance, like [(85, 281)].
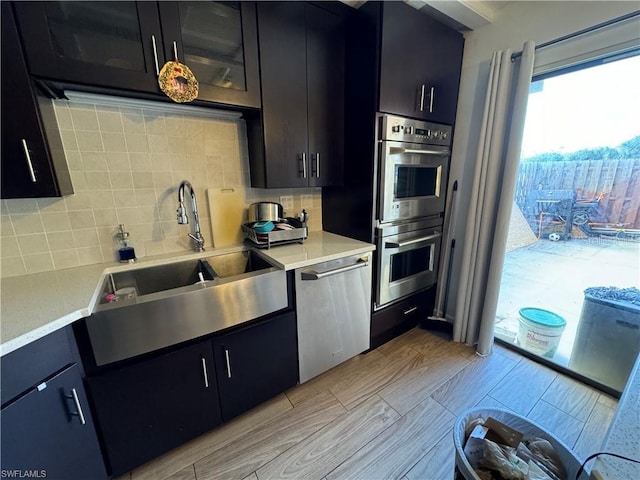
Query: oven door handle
[(397, 150), (411, 242)]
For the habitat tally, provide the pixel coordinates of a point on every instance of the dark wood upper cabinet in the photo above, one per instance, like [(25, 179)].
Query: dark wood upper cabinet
[(107, 44), (33, 161), (123, 45), (297, 138), (218, 42), (420, 62)]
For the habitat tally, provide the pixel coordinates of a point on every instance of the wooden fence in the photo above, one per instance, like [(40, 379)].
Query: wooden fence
[(614, 183)]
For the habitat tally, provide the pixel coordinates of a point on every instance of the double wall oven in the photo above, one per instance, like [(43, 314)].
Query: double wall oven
[(413, 161)]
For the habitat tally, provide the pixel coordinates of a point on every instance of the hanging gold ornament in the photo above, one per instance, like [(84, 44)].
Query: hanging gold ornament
[(178, 82)]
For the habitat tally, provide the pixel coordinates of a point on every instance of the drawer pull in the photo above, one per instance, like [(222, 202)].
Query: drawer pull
[(205, 373), (226, 356), (155, 54), (79, 412), (27, 156), (410, 310)]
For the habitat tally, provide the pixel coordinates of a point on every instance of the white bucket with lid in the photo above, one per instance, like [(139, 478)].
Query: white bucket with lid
[(540, 331)]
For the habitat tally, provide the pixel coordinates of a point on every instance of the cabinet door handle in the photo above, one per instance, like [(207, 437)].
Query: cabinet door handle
[(205, 374), (318, 165), (432, 93), (76, 400), (226, 356), (27, 155), (175, 51), (303, 159), (155, 54), (421, 97)]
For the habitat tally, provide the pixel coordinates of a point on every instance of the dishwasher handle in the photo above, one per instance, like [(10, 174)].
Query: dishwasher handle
[(313, 275)]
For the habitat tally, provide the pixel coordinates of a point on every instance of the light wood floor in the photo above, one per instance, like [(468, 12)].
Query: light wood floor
[(387, 414)]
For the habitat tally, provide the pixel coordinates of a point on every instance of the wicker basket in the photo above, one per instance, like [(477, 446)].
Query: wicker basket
[(527, 427)]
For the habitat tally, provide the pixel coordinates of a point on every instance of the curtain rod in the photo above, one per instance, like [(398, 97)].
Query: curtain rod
[(517, 55)]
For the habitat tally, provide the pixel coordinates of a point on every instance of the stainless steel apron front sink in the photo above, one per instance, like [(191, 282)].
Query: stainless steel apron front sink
[(173, 305)]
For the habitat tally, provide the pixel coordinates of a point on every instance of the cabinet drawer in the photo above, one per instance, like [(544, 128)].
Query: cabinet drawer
[(393, 320), (26, 367)]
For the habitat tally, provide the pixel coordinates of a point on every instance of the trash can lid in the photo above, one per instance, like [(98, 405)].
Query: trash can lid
[(542, 317)]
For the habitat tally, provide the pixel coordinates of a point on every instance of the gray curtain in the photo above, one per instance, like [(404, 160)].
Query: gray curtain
[(492, 197)]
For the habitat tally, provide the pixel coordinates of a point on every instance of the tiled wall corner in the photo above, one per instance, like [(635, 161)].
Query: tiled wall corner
[(126, 164)]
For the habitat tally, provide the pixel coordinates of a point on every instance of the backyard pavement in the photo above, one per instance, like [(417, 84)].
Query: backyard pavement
[(553, 276)]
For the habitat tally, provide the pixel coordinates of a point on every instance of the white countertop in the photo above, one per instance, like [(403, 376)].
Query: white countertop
[(623, 435), (32, 306)]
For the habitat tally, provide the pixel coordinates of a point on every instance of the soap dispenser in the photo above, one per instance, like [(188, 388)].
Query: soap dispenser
[(126, 253)]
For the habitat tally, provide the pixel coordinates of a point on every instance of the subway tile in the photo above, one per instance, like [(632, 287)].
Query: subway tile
[(60, 240), (105, 217), (86, 238), (84, 120), (82, 219), (110, 121), (65, 259), (32, 244), (79, 181), (63, 115), (12, 267), (123, 198), (56, 221), (136, 143), (161, 179), (69, 141), (39, 262), (114, 142), (177, 145), (89, 141), (9, 247), (6, 227), (21, 206), (118, 161), (94, 161), (128, 216), (161, 162), (145, 197), (121, 180), (89, 255), (74, 161), (26, 224), (52, 205), (97, 180), (158, 144), (142, 180), (133, 123), (140, 162), (101, 199), (81, 200)]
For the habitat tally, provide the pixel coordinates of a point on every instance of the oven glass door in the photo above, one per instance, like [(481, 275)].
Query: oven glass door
[(413, 180), (407, 263)]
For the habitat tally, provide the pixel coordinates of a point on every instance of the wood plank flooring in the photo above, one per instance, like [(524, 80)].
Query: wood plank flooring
[(387, 414)]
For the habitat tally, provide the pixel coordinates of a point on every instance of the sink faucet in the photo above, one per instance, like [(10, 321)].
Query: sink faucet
[(196, 236)]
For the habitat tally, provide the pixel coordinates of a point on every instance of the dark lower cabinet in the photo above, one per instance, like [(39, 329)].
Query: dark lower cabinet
[(50, 431), (148, 408), (256, 363)]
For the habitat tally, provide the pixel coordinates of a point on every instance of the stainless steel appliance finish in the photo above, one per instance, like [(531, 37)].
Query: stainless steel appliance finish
[(414, 161), (333, 301), (173, 305), (265, 212), (407, 259)]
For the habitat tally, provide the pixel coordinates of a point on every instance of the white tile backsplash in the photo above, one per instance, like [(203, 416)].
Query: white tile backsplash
[(126, 164)]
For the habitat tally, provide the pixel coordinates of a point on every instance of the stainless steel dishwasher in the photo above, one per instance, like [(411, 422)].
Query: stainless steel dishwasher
[(333, 303)]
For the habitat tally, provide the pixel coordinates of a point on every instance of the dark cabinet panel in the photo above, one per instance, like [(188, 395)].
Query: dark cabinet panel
[(420, 62), (256, 363), (218, 42), (33, 162), (297, 141), (107, 44), (148, 408), (50, 430)]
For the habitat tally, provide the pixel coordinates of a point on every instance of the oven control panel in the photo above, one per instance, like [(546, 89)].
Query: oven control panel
[(402, 129)]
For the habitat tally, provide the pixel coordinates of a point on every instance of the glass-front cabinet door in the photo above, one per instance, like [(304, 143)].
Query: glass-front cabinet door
[(218, 42), (97, 43)]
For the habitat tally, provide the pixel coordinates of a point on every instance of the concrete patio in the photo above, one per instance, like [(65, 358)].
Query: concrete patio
[(553, 276)]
